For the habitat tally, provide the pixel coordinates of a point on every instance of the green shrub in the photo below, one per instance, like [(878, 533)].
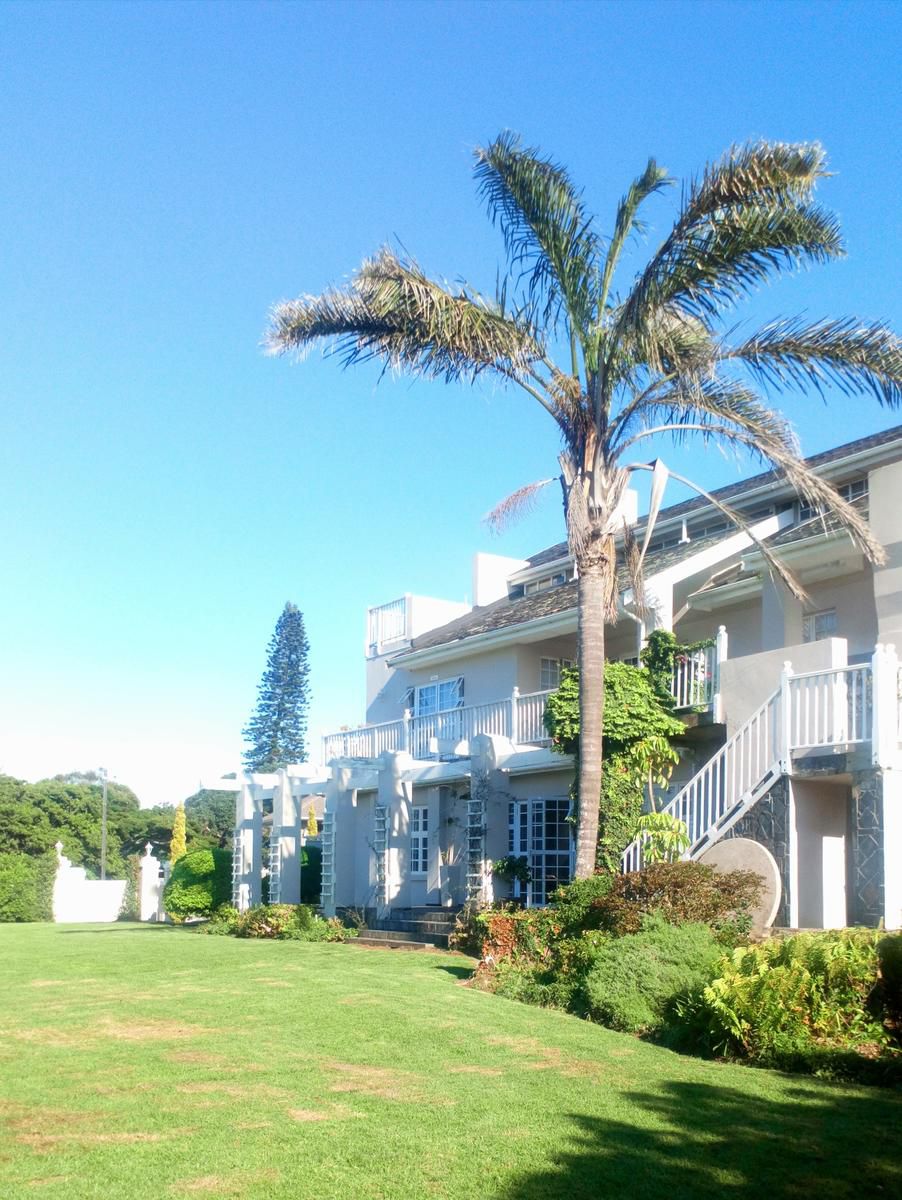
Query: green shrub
[(297, 922), (798, 1003), (223, 921), (131, 899), (889, 956), (201, 881), (635, 979), (575, 904), (680, 892), (26, 887)]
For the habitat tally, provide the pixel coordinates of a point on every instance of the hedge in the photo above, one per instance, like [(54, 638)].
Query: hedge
[(201, 881), (26, 887)]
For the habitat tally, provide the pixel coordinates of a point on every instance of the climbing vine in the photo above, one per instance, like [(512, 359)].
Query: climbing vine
[(638, 750), (659, 656)]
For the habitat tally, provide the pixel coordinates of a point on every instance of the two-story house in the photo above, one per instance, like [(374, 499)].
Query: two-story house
[(796, 746)]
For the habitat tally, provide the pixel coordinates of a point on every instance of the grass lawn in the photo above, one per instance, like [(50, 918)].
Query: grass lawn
[(143, 1061)]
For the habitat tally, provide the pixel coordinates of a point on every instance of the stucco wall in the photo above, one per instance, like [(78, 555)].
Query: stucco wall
[(742, 621), (821, 822), (884, 506), (856, 611), (745, 683)]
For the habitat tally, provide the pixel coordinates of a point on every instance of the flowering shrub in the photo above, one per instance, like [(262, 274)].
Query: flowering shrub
[(680, 892)]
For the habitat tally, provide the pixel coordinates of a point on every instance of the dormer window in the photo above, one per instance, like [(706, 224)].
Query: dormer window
[(853, 490), (545, 583)]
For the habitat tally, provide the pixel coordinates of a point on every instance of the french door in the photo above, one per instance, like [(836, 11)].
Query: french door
[(540, 832)]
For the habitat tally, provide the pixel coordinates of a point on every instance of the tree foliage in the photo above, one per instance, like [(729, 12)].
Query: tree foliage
[(178, 843), (277, 730)]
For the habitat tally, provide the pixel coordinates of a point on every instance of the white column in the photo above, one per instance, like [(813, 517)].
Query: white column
[(149, 905), (248, 846), (892, 849), (885, 713), (515, 723), (720, 656), (286, 835), (785, 734)]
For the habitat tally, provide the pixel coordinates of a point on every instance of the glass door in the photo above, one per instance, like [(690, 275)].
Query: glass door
[(540, 832)]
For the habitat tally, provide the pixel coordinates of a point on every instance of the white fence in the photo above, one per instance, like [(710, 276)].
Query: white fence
[(78, 900)]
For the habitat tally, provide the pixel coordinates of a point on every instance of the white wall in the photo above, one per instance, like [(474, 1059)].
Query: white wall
[(79, 900), (745, 683), (821, 821), (884, 507)]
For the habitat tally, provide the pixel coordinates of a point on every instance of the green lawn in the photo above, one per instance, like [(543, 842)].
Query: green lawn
[(142, 1061)]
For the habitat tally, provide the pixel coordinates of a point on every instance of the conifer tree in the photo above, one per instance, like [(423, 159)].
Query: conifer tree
[(277, 730), (178, 844), (312, 826)]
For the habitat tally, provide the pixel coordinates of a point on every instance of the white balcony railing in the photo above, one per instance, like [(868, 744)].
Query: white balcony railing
[(696, 685), (444, 734), (844, 708)]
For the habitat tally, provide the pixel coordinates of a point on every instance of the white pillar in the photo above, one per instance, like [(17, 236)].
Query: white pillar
[(892, 849), (286, 837), (785, 719), (150, 904), (247, 869), (720, 656), (885, 713)]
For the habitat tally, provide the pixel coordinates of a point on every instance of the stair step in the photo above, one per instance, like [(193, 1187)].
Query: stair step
[(391, 932), (389, 943)]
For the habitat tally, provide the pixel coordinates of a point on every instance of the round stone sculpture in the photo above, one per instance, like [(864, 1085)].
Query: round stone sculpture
[(742, 854)]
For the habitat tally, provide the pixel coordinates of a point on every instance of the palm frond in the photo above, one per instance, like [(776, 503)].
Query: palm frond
[(726, 411), (547, 231), (515, 506), (393, 312), (771, 171), (724, 258), (653, 179), (856, 358)]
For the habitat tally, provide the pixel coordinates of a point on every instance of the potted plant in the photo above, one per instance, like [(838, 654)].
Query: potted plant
[(512, 868)]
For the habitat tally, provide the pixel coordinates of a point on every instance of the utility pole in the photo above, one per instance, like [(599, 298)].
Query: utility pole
[(103, 825)]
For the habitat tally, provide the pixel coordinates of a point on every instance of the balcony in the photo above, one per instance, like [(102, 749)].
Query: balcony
[(446, 734)]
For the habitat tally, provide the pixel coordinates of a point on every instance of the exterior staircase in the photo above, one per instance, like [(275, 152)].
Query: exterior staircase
[(425, 928), (819, 711)]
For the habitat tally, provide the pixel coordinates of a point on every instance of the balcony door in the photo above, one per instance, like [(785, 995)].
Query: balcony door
[(540, 832)]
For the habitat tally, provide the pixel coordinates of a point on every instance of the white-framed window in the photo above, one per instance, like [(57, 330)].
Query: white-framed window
[(439, 695), (419, 840), (550, 672), (819, 625), (545, 583), (849, 491)]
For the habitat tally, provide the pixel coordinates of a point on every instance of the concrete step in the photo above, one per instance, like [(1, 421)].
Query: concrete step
[(411, 932), (427, 912), (388, 943)]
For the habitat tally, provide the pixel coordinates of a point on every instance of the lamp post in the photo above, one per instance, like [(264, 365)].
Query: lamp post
[(102, 774)]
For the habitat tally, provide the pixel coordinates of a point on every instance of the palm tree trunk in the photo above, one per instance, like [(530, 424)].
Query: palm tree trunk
[(594, 590)]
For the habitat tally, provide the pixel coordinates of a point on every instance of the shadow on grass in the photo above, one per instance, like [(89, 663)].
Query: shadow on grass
[(460, 972), (133, 927), (696, 1140)]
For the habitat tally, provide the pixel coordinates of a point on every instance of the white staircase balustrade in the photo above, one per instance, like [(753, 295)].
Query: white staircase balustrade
[(817, 709)]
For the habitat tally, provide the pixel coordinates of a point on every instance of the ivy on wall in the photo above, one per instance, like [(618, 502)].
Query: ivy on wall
[(638, 754)]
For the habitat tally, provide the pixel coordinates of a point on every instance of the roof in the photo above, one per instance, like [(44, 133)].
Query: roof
[(506, 612), (676, 511)]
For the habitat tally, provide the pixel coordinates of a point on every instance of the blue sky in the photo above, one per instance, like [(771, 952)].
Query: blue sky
[(171, 170)]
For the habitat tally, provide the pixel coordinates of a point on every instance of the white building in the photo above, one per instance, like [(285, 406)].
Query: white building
[(452, 768)]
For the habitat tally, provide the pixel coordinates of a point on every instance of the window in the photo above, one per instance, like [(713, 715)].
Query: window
[(539, 831), (550, 672), (440, 696), (419, 840), (819, 625), (849, 491), (544, 584)]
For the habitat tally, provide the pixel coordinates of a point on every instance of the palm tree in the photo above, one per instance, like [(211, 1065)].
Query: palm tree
[(614, 368)]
